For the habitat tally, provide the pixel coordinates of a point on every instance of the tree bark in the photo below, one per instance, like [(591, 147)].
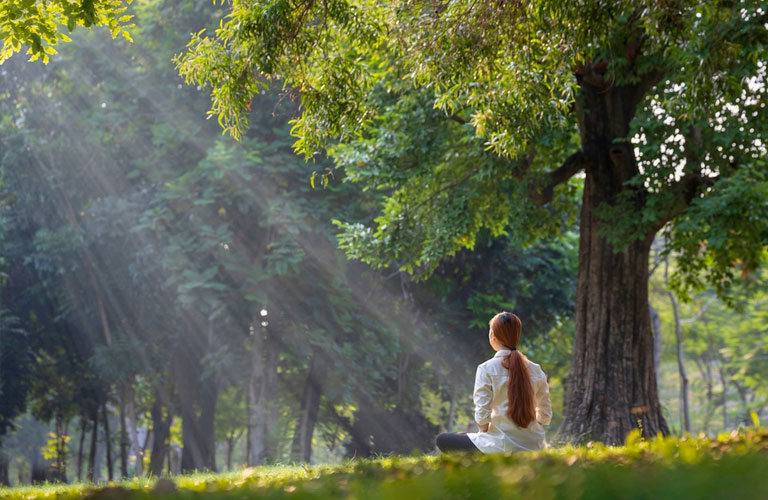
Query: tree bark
[(301, 448), (612, 386)]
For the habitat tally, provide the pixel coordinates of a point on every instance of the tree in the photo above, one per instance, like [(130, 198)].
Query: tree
[(659, 107), (39, 24)]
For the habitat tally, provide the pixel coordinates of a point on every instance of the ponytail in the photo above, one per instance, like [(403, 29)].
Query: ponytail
[(520, 391), (507, 327)]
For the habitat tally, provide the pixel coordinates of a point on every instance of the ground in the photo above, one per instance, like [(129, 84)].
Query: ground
[(734, 465)]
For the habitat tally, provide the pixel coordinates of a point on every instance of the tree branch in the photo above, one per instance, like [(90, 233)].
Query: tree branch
[(457, 119), (572, 165), (698, 315)]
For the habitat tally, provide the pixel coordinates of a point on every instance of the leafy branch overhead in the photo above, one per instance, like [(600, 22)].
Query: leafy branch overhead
[(415, 92), (40, 25)]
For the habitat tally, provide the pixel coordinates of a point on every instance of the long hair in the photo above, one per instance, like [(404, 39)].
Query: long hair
[(507, 327)]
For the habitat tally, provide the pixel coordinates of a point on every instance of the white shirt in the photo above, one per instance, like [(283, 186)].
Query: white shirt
[(491, 404)]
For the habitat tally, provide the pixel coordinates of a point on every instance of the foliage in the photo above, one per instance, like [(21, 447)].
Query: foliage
[(378, 76), (39, 24), (732, 464)]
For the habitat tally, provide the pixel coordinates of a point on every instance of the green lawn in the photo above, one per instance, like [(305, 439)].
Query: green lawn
[(733, 466)]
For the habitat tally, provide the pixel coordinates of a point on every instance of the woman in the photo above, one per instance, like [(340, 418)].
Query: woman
[(511, 398)]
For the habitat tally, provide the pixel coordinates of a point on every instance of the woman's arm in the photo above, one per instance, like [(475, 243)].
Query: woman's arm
[(482, 395)]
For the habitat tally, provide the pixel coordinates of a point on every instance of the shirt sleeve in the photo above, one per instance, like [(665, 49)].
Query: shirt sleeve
[(483, 395), (543, 403)]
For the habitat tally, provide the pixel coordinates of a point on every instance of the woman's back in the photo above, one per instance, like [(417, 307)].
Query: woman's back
[(492, 405)]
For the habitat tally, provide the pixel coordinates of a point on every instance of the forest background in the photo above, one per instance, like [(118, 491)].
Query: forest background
[(165, 287)]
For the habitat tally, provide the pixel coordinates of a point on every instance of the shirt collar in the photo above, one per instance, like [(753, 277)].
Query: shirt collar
[(501, 353)]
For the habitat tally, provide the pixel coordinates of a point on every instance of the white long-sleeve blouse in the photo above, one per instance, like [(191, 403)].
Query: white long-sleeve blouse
[(491, 403)]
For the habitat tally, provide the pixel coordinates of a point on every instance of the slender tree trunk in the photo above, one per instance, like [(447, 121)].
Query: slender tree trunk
[(612, 385), (230, 448), (261, 394), (403, 360), (94, 444), (148, 440), (161, 429), (301, 448), (138, 451), (5, 479), (742, 392), (256, 413), (83, 422), (197, 400), (706, 375), (124, 442), (656, 326), (60, 466), (108, 443), (724, 400), (247, 457), (684, 410), (452, 411)]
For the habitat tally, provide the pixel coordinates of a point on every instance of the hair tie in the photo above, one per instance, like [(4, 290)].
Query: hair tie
[(512, 348)]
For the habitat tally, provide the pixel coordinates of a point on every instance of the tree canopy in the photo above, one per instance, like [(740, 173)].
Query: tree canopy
[(512, 72)]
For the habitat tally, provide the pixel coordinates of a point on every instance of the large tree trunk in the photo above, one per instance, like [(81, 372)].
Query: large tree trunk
[(612, 386), (301, 448)]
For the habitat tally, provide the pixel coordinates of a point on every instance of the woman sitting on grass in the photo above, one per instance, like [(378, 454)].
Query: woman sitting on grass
[(511, 398)]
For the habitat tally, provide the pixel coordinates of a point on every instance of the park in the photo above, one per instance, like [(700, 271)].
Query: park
[(273, 248)]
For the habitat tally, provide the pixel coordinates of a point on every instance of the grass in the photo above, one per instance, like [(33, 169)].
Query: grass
[(734, 465)]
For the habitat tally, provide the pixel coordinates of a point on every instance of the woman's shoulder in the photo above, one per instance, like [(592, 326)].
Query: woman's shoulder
[(491, 366), (535, 370)]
